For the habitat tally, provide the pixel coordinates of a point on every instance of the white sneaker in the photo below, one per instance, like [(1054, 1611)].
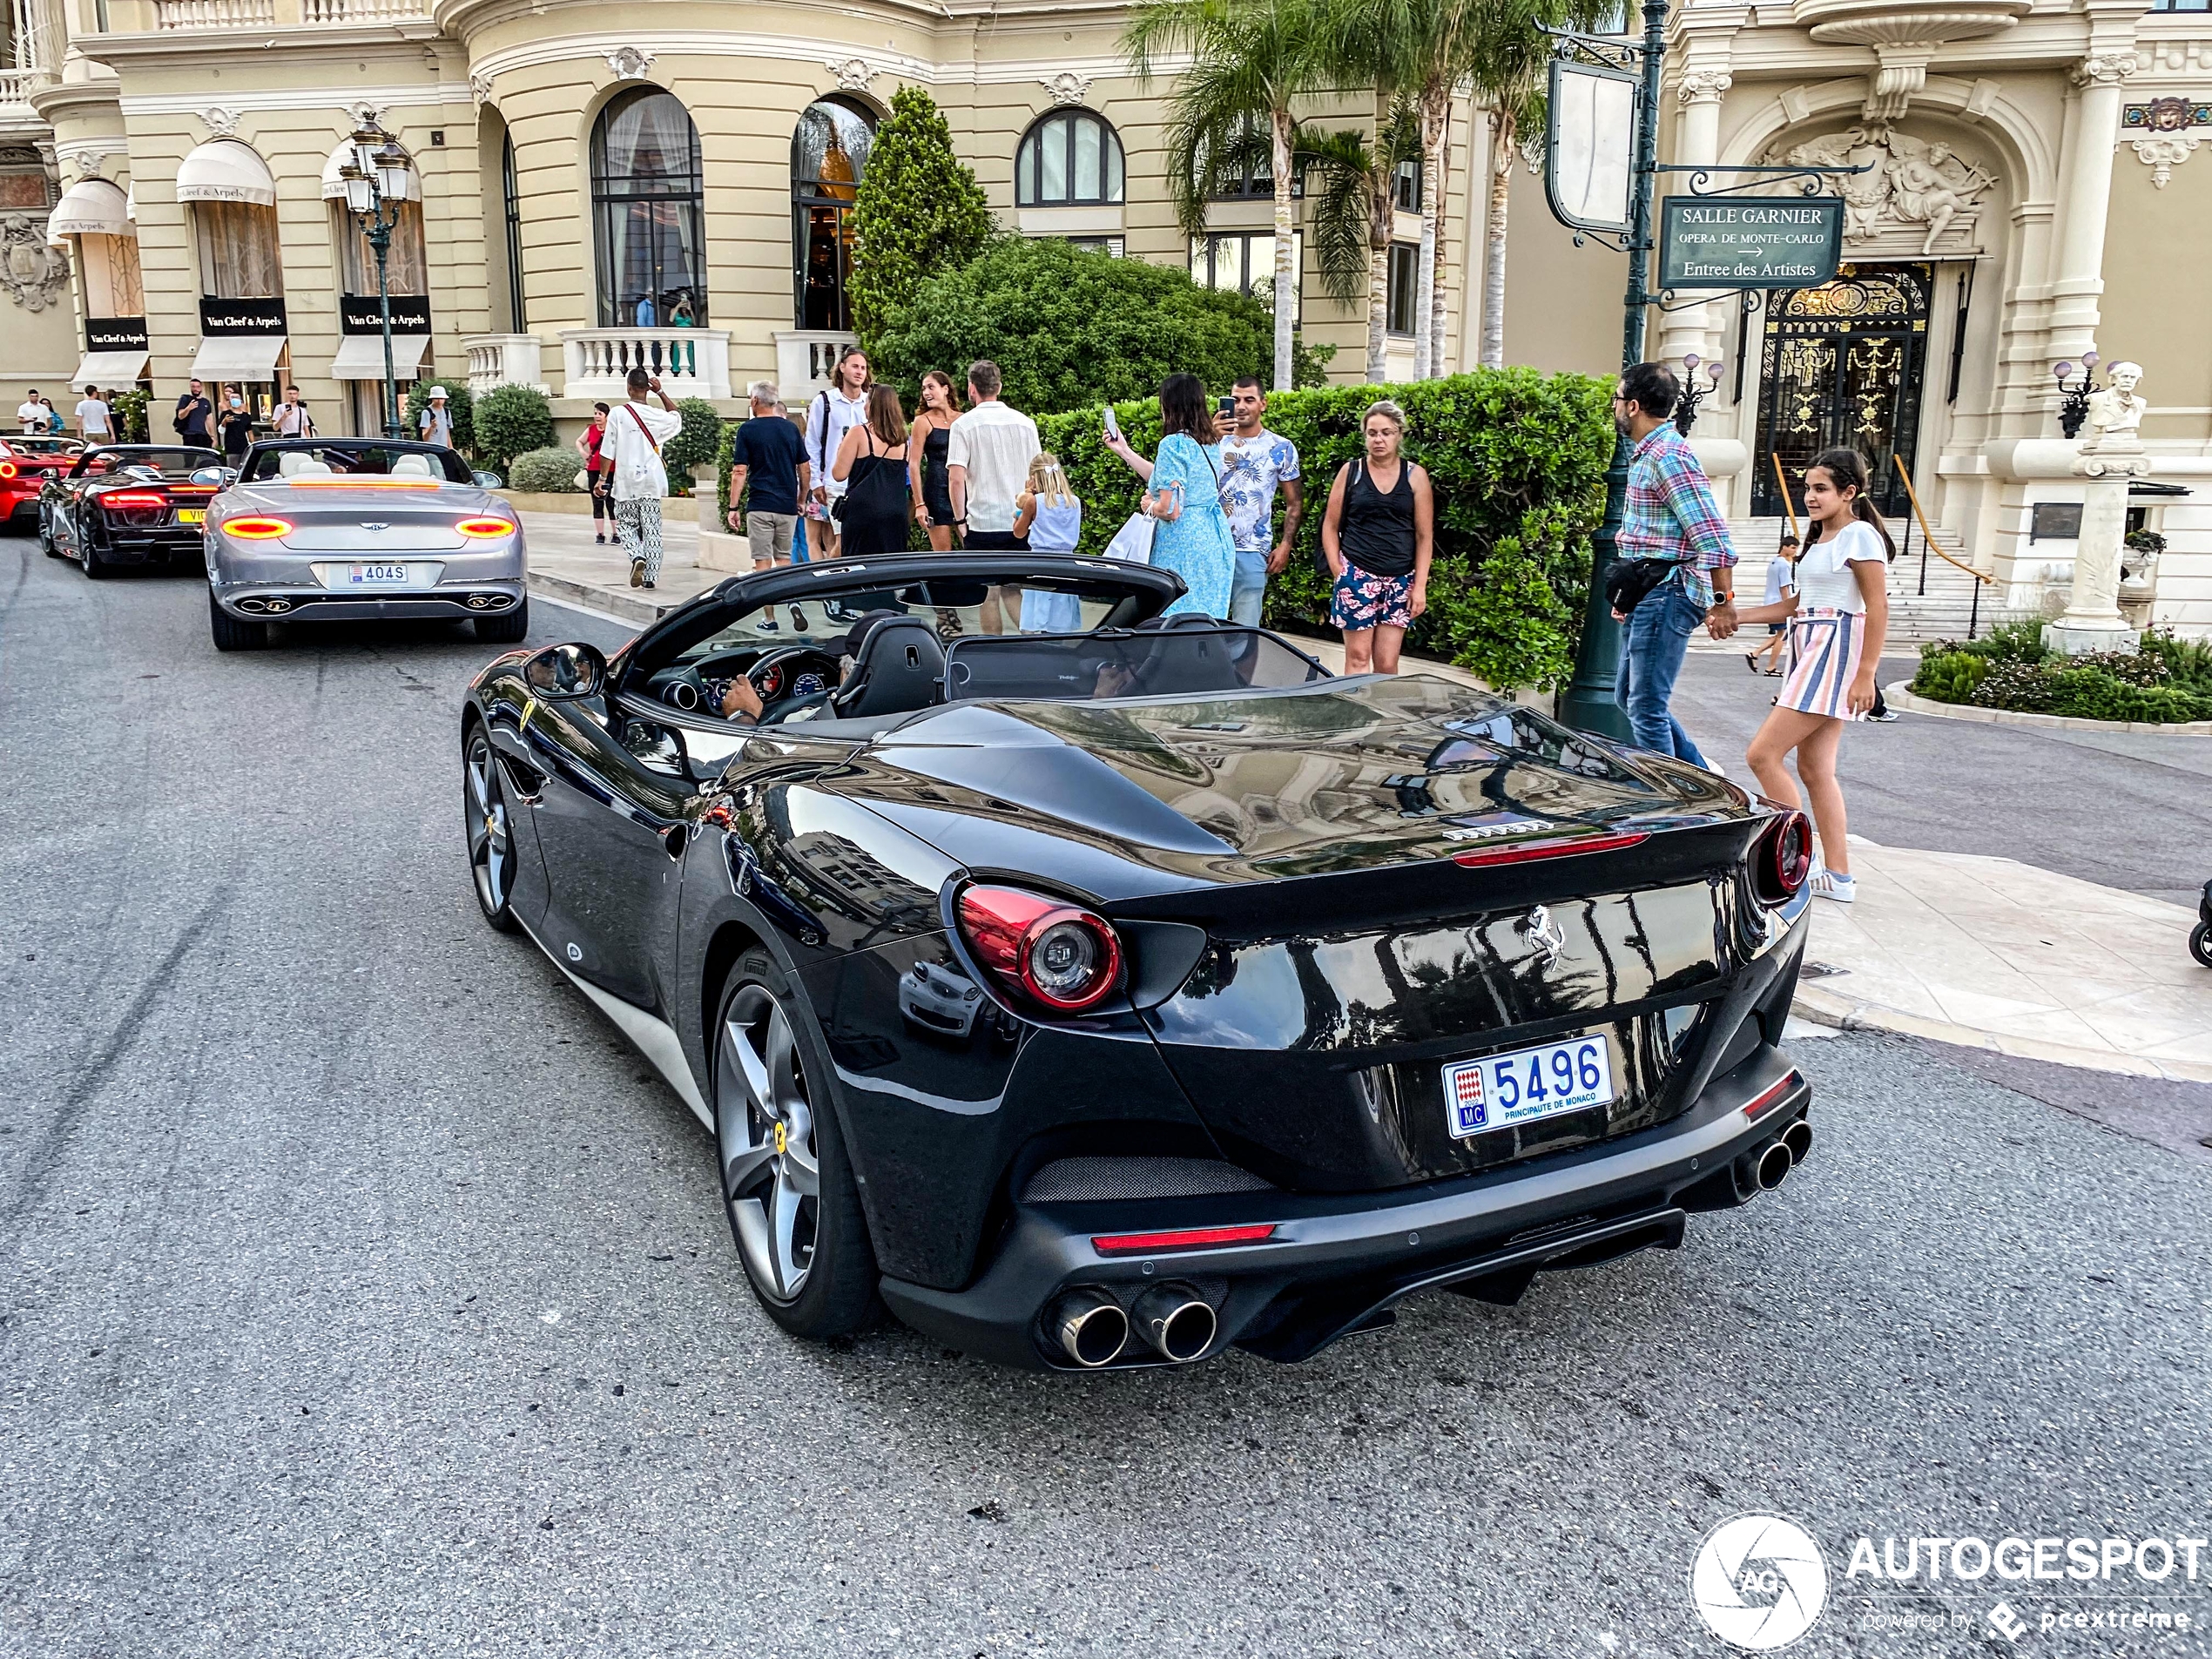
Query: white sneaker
[(1826, 884)]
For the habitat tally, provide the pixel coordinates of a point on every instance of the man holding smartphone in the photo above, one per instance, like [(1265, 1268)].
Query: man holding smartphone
[(636, 434), (1255, 462)]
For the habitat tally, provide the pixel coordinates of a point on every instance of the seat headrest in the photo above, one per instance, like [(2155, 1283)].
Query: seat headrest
[(898, 667), (412, 466)]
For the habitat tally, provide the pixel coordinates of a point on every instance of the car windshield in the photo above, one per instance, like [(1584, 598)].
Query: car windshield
[(41, 446), (170, 464), (1183, 661), (424, 464)]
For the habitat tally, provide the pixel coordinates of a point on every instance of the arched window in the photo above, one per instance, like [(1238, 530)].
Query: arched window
[(829, 152), (646, 205), (1070, 159)]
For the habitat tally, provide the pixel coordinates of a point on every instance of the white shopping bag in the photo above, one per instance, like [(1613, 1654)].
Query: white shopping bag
[(1132, 543)]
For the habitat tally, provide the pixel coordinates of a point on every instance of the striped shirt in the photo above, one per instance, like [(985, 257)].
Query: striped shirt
[(1670, 513)]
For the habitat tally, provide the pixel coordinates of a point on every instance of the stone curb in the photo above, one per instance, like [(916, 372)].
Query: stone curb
[(1900, 697), (1825, 1008), (624, 603)]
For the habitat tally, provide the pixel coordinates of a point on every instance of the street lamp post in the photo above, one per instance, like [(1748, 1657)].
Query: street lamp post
[(376, 183), (1589, 703)]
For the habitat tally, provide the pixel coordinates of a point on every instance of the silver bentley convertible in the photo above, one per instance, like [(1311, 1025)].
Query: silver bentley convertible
[(348, 529)]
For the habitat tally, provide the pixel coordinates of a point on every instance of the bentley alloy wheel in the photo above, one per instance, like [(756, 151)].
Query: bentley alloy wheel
[(491, 846), (793, 1206)]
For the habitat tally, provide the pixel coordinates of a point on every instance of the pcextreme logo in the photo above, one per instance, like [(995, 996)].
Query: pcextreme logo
[(1758, 1581)]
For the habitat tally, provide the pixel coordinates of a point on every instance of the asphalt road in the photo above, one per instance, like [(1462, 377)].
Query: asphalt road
[(361, 1293)]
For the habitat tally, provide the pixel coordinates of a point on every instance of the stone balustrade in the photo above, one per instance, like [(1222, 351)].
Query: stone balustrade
[(689, 362), (214, 14), (504, 360)]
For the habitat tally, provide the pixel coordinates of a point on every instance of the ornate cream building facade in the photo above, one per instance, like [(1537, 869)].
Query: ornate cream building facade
[(667, 179)]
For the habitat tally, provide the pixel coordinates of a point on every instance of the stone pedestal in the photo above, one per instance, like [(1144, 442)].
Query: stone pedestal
[(2093, 620)]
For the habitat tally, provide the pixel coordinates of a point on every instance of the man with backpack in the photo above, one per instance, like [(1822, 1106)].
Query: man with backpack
[(635, 433), (833, 413)]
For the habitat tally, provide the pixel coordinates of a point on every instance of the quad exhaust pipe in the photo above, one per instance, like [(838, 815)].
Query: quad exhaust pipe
[(1771, 1165), (1089, 1326), (1174, 1320)]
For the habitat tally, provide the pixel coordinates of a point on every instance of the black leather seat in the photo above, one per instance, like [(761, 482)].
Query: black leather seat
[(899, 667)]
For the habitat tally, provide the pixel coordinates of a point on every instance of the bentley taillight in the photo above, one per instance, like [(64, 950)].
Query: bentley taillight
[(1045, 951), (258, 529), (1782, 857), (486, 527)]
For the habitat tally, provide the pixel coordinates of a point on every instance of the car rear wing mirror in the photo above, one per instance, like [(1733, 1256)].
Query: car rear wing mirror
[(484, 480), (559, 672), (216, 477)]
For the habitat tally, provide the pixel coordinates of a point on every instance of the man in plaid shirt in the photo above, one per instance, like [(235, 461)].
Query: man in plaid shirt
[(1669, 516)]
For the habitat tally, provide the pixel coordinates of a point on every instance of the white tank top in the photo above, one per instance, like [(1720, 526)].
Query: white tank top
[(1057, 527), (1823, 576)]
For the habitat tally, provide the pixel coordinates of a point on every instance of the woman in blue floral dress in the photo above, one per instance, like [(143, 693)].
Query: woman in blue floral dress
[(1184, 498)]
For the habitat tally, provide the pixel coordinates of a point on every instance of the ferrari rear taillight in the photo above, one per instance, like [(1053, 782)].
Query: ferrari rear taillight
[(1046, 951), (486, 527), (116, 499), (1782, 858), (258, 529), (7, 469)]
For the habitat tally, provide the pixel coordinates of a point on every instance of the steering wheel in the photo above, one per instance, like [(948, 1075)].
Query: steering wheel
[(790, 676)]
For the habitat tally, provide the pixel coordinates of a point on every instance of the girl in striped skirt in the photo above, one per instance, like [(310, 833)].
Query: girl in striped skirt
[(1838, 615)]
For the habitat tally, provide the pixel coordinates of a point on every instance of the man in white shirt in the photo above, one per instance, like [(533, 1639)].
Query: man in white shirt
[(832, 414), (436, 421), (32, 414), (989, 457), (635, 433), (291, 418), (92, 422)]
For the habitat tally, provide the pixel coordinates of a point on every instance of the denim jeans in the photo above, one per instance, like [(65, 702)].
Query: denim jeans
[(1248, 588), (1653, 642)]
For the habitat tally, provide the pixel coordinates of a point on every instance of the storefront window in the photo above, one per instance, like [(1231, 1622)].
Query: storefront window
[(646, 198), (828, 154), (237, 251)]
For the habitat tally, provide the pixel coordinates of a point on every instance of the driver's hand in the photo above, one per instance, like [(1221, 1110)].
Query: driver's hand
[(741, 699), (1114, 678)]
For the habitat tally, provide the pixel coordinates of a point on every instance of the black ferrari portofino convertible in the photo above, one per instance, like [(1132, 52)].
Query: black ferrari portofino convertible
[(1109, 995)]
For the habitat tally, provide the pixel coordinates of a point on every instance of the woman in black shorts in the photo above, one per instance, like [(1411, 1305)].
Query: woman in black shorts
[(1377, 534), (933, 429)]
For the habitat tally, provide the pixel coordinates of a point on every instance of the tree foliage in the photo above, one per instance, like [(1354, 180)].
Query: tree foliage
[(695, 441), (1517, 460), (1069, 327), (919, 211), (460, 408), (511, 421)]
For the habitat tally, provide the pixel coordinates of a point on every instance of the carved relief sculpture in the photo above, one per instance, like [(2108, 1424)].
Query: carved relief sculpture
[(1914, 183), (35, 275), (1067, 87), (630, 63)]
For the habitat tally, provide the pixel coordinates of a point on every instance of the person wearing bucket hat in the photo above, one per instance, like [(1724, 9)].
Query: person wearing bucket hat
[(436, 422)]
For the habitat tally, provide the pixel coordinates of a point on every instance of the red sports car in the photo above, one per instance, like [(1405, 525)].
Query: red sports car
[(27, 463)]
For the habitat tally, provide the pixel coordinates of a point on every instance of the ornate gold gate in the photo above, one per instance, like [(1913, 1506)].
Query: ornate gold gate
[(1841, 369)]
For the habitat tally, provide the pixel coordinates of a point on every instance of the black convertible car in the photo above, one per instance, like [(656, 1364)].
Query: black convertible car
[(1110, 996), (127, 504)]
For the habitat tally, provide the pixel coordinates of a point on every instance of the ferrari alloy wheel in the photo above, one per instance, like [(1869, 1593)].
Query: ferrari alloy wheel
[(234, 633), (793, 1208), (491, 846)]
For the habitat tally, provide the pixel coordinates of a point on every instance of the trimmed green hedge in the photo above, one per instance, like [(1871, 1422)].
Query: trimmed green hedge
[(2166, 681), (551, 471), (1518, 462)]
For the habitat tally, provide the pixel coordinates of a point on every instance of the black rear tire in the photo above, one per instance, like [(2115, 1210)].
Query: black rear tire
[(2201, 943), (762, 1149), (506, 630), (46, 537), (88, 552), (231, 633)]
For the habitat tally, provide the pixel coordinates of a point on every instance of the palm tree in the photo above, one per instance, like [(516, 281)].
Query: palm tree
[(1351, 208), (1251, 61)]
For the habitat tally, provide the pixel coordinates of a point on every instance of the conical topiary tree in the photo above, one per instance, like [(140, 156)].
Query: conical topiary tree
[(918, 211)]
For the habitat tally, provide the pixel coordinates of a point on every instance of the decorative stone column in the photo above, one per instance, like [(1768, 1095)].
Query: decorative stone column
[(2087, 198), (1697, 143), (2111, 455)]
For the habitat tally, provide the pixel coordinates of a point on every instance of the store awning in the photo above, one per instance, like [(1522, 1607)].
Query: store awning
[(110, 368), (238, 357), (226, 170), (334, 187), (361, 357), (90, 207)]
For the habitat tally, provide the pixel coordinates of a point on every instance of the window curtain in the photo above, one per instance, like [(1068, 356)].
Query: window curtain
[(237, 251), (113, 286), (406, 266)]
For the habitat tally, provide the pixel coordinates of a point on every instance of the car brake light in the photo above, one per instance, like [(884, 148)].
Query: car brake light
[(7, 469), (1782, 857), (192, 489), (486, 527), (1054, 952), (1182, 1239), (258, 529), (1559, 848), (1770, 1097), (134, 498)]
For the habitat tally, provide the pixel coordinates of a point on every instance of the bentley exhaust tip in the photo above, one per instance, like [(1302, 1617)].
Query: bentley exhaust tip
[(1773, 1167), (1089, 1326), (1798, 1138), (1175, 1320)]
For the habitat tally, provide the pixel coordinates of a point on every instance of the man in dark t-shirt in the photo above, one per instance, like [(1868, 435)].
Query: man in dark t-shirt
[(194, 417), (768, 476)]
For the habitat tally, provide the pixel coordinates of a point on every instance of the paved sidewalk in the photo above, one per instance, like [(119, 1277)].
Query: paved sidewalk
[(566, 565), (1991, 953)]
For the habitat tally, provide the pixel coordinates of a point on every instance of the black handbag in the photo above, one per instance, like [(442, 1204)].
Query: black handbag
[(1629, 582)]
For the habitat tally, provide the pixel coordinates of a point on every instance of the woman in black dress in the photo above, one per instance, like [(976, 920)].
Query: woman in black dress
[(933, 481), (871, 464), (235, 423)]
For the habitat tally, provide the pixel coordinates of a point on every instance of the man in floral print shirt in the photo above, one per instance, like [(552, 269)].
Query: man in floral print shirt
[(1253, 463)]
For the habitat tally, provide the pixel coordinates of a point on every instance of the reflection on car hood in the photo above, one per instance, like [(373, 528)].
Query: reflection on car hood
[(1338, 776)]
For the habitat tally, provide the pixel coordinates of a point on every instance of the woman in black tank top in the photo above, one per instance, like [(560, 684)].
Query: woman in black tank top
[(1379, 534), (932, 488)]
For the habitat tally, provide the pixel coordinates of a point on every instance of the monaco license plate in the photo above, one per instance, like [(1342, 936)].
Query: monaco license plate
[(376, 576), (192, 515), (1546, 1081)]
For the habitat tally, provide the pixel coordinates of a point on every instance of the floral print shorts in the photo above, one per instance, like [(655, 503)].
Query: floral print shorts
[(1361, 600)]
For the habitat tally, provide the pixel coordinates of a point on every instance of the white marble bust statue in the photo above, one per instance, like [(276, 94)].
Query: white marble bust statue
[(2116, 413)]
